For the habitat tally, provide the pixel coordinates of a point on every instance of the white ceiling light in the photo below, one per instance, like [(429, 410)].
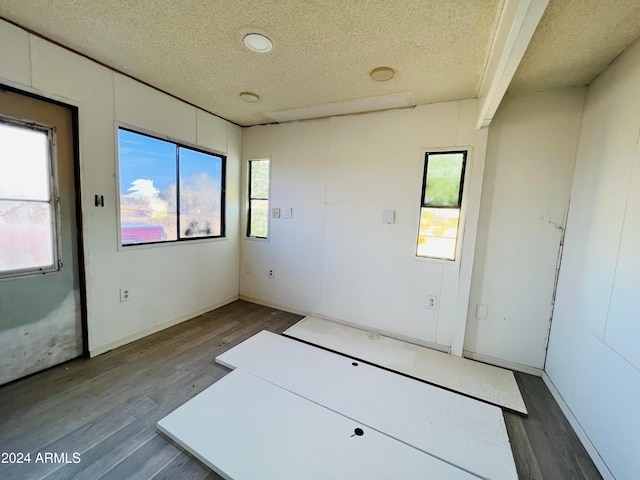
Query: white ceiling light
[(382, 74), (249, 97), (257, 43)]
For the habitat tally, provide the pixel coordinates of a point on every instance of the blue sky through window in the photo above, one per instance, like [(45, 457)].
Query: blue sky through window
[(143, 157), (193, 163)]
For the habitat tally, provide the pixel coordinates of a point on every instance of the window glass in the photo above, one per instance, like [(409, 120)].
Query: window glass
[(24, 163), (28, 238), (444, 172), (438, 232), (259, 226), (200, 194), (260, 179), (152, 207), (148, 194), (258, 214), (441, 204)]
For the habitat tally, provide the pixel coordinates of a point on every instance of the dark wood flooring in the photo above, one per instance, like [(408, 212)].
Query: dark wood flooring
[(544, 444), (106, 408)]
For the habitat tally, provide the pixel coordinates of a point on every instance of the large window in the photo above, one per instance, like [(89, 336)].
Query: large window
[(168, 192), (28, 199), (441, 202), (258, 212)]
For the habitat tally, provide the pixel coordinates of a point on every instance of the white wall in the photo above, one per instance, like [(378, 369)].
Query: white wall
[(168, 283), (525, 196), (335, 257), (593, 362)]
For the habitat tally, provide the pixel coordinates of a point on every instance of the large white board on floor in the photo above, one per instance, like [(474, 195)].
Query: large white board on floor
[(457, 429), (245, 428), (485, 382)]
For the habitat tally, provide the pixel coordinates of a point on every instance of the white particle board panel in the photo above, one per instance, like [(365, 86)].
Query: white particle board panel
[(487, 383), (15, 55), (459, 430), (622, 330), (141, 106), (58, 71), (212, 131), (243, 427)]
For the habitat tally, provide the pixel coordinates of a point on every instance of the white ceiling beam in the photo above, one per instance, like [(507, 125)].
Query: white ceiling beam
[(371, 104), (518, 22)]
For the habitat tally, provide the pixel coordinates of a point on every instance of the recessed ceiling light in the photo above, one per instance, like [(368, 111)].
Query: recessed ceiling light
[(382, 74), (249, 97), (257, 43)]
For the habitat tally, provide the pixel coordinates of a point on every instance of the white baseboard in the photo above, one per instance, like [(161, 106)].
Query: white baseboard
[(498, 362), (99, 350), (277, 306), (404, 338), (582, 435)]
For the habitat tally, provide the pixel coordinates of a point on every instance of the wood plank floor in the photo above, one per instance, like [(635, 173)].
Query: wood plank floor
[(106, 408)]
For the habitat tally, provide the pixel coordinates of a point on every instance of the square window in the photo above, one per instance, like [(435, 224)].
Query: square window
[(168, 192)]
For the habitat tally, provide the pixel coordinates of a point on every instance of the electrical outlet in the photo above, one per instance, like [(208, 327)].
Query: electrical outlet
[(275, 213), (124, 294), (271, 273), (432, 302)]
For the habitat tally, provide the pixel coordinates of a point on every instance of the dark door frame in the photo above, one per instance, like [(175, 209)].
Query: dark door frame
[(78, 200)]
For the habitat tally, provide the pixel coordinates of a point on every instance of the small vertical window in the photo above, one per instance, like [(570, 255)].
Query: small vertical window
[(28, 200), (441, 202), (258, 212)]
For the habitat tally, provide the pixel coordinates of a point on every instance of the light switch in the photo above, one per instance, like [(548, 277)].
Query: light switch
[(287, 212), (388, 216), (481, 311)]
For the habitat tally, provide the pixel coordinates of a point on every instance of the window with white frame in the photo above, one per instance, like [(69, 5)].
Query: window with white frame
[(258, 199), (28, 199), (440, 205), (169, 192)]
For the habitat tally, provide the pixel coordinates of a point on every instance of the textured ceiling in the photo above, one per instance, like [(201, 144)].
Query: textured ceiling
[(324, 50), (575, 41)]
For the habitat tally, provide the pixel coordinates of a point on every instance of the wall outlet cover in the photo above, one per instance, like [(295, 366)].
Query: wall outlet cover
[(432, 302)]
